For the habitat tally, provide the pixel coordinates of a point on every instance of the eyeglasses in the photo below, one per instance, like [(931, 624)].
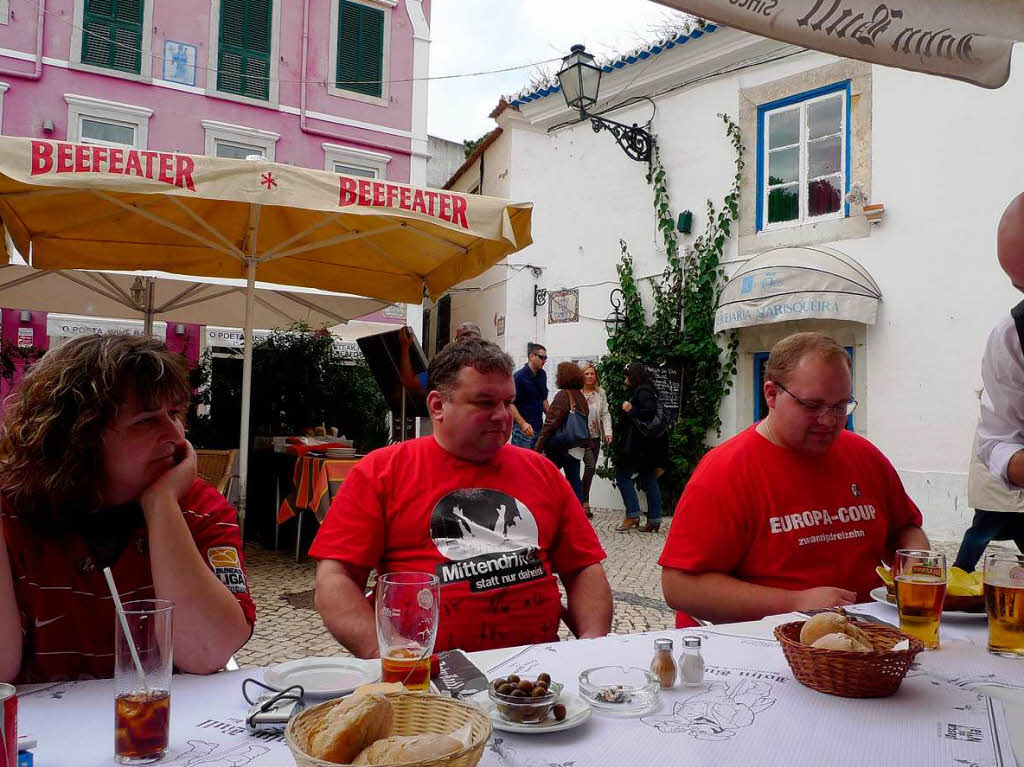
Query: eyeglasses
[(839, 410), (541, 357)]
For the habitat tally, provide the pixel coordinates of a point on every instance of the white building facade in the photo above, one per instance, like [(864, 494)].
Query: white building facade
[(941, 157)]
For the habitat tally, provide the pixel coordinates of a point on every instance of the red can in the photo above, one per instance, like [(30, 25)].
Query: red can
[(8, 725)]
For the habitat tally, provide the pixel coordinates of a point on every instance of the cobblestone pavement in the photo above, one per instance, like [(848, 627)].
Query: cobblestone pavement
[(289, 627)]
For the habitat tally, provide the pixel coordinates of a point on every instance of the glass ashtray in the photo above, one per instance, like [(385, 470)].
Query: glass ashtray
[(620, 689)]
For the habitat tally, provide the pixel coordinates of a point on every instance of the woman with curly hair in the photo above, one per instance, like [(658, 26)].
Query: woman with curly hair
[(95, 472)]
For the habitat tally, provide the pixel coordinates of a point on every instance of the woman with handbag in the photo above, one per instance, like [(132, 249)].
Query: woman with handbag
[(600, 423), (643, 445), (565, 431)]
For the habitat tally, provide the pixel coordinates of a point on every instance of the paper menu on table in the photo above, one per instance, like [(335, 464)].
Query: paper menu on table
[(751, 711), (73, 723)]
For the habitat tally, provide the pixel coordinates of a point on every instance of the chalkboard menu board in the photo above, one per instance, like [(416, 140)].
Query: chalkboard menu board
[(667, 379)]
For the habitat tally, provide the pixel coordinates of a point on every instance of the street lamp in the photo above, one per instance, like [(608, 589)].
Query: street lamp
[(580, 79), (614, 320), (138, 291)]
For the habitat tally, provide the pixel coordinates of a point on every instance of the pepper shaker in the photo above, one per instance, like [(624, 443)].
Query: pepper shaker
[(691, 662), (663, 665)]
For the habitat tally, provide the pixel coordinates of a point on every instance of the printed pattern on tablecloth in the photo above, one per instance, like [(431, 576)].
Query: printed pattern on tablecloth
[(751, 710), (74, 724)]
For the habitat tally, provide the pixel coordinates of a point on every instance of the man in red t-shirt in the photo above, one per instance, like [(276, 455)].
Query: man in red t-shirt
[(494, 522), (96, 473), (793, 513)]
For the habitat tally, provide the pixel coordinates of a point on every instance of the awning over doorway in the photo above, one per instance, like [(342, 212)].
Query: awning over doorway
[(784, 284)]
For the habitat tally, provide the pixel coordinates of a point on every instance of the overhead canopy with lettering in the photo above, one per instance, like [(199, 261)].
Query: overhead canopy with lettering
[(78, 206), (967, 40), (784, 284), (81, 206)]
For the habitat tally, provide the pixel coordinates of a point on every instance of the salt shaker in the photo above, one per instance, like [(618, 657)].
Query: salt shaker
[(663, 665), (691, 662)]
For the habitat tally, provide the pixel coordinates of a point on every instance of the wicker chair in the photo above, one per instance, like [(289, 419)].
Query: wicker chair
[(217, 468)]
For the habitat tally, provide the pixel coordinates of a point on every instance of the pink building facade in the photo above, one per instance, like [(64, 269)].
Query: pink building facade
[(337, 85), (326, 84)]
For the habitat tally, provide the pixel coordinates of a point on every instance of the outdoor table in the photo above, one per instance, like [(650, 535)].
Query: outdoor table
[(315, 482), (750, 710)]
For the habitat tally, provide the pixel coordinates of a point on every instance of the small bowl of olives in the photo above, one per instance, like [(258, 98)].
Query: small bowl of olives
[(526, 701)]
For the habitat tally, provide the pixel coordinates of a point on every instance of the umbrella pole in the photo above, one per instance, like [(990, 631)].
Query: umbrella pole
[(243, 459), (147, 323)]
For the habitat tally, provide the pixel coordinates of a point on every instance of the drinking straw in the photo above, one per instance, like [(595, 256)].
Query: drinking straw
[(124, 626)]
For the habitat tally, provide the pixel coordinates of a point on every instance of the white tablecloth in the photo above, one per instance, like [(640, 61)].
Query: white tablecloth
[(750, 711)]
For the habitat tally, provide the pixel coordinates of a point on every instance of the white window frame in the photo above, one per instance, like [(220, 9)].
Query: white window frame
[(145, 65), (239, 134), (3, 89), (359, 158), (385, 70), (102, 110), (802, 180), (5, 11), (214, 57)]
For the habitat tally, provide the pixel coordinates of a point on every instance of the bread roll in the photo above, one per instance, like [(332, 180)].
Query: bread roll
[(408, 748), (350, 727), (853, 631), (380, 688), (822, 624), (839, 641)]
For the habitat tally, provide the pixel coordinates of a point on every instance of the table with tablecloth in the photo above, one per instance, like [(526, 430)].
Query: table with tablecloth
[(315, 483), (750, 709)]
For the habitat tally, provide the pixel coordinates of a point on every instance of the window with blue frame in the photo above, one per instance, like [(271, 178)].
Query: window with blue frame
[(803, 157), (760, 403)]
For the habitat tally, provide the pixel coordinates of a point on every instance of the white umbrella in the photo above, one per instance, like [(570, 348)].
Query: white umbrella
[(969, 41), (175, 298), (169, 297)]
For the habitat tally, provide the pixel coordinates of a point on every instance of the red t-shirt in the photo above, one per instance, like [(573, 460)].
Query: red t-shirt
[(760, 513), (66, 611), (494, 534)]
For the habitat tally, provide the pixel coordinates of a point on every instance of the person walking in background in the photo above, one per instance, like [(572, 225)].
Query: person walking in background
[(531, 401), (642, 447), (600, 423), (569, 380)]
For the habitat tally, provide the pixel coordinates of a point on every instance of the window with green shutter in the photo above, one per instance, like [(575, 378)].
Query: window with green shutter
[(243, 55), (112, 34), (360, 48)]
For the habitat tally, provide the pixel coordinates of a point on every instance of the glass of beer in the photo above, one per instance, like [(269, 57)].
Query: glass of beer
[(1004, 602), (407, 614), (920, 590), (142, 706)]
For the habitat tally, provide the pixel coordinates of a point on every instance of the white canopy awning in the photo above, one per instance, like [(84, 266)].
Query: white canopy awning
[(784, 284), (967, 40)]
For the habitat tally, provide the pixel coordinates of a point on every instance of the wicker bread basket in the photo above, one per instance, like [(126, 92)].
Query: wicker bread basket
[(415, 714), (849, 674)]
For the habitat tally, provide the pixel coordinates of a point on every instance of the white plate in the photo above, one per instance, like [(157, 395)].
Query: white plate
[(323, 677), (577, 711), (878, 594)]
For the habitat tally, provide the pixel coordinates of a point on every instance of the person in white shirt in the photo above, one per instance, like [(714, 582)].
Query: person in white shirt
[(997, 494)]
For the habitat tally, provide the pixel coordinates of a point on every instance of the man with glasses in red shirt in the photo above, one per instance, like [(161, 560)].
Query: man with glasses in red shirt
[(793, 513)]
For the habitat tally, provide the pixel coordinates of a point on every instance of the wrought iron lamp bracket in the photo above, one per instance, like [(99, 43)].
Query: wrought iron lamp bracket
[(634, 140), (540, 298)]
